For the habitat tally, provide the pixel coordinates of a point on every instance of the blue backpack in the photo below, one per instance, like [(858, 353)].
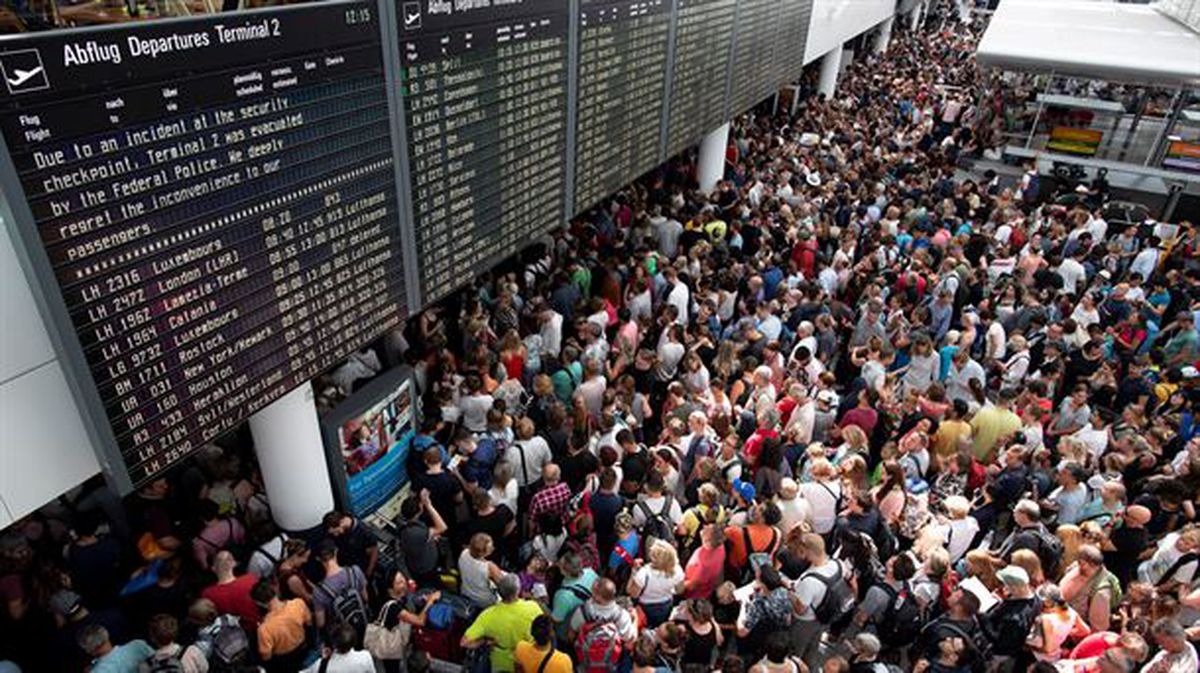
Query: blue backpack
[(478, 468)]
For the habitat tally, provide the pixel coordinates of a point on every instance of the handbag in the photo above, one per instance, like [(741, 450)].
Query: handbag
[(387, 644)]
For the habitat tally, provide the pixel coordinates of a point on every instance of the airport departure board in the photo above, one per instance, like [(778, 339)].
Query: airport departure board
[(791, 39), (215, 201), (622, 79), (752, 75), (703, 35), (484, 85)]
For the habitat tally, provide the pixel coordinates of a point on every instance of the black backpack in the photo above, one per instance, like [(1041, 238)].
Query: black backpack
[(348, 606), (228, 645), (657, 526), (1049, 550), (902, 619), (837, 606)]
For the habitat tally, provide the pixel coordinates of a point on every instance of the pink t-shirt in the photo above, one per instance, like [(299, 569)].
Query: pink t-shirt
[(1094, 645), (705, 570)]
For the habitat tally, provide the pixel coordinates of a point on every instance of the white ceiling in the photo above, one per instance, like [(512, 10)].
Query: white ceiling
[(1132, 43)]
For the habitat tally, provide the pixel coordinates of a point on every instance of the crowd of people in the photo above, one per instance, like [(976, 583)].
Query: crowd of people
[(857, 410)]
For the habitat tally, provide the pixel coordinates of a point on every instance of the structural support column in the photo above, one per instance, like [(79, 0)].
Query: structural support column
[(710, 167), (884, 37), (831, 66), (287, 442), (915, 17)]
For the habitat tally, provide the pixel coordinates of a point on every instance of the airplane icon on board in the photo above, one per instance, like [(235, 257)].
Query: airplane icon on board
[(412, 15), (22, 76), (23, 71)]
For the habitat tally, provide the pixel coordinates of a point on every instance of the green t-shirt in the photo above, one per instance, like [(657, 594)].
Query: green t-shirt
[(565, 380), (505, 624), (566, 601)]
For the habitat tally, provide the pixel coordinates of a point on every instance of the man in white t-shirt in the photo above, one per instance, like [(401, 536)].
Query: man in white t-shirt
[(1072, 273), (528, 455), (654, 501), (551, 331), (809, 591)]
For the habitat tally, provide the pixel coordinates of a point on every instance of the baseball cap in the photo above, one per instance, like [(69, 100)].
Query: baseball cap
[(1190, 372), (866, 644), (64, 603), (1012, 575), (827, 396), (745, 489)]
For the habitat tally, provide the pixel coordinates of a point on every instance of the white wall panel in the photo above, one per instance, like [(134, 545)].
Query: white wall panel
[(835, 21), (24, 343), (44, 449)]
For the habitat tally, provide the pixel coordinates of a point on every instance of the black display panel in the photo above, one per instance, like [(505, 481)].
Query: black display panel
[(703, 37), (622, 80), (214, 202), (791, 39), (484, 86), (753, 71)]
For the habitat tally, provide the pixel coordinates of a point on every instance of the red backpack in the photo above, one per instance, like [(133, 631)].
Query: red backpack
[(598, 645)]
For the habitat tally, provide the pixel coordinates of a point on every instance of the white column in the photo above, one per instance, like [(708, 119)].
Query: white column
[(710, 167), (831, 66), (847, 60), (884, 36), (287, 442), (915, 17)]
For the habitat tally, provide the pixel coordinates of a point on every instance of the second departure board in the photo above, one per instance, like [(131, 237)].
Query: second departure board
[(484, 85), (214, 203), (622, 77), (703, 35), (791, 39), (752, 75)]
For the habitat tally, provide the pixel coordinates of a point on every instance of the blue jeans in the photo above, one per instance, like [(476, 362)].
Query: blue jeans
[(656, 613)]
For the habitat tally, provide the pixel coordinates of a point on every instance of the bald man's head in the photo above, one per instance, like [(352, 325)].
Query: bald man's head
[(1137, 515), (604, 591), (551, 474)]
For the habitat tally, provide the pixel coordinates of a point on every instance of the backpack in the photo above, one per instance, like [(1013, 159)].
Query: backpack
[(478, 467), (977, 641), (1049, 550), (902, 620), (838, 604), (598, 645), (657, 526), (756, 559), (161, 662), (240, 550), (348, 605), (228, 644)]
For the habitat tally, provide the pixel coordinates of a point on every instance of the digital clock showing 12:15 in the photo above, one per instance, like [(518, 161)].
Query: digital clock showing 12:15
[(358, 15)]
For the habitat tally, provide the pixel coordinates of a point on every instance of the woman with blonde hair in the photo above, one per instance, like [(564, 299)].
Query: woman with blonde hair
[(961, 528), (656, 584), (1028, 560), (825, 494), (983, 566), (1071, 537), (854, 474), (854, 442), (477, 572)]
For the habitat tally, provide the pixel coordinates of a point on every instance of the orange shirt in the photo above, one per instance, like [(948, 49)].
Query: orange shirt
[(282, 630), (760, 538), (528, 658)]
